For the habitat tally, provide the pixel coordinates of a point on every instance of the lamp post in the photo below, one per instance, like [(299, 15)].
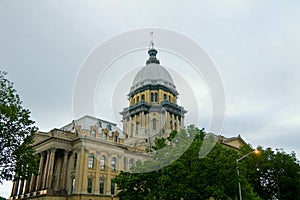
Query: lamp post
[(238, 171)]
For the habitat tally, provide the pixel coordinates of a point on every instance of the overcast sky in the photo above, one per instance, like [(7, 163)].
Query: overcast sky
[(255, 46)]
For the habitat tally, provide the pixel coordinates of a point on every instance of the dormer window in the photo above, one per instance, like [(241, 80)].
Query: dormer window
[(109, 127), (99, 123), (93, 133)]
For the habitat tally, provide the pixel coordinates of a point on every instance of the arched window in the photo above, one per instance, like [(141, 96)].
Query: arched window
[(105, 136), (165, 97), (137, 99), (154, 124), (152, 97), (91, 161), (115, 138), (113, 164), (102, 163), (156, 97), (143, 97)]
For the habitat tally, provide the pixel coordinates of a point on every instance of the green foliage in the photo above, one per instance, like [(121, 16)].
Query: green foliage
[(188, 177), (16, 134), (274, 174)]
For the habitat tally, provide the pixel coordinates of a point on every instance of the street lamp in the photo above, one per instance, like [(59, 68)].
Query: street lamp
[(256, 151)]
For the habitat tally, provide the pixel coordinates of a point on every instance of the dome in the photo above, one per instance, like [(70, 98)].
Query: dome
[(152, 71), (153, 74)]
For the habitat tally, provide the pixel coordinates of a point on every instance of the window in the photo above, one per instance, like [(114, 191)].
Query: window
[(112, 187), (93, 133), (115, 138), (113, 164), (125, 164), (169, 97), (109, 127), (152, 97), (137, 99), (156, 97), (73, 186), (143, 97), (105, 136), (101, 187), (130, 163), (102, 163), (90, 185), (99, 123), (165, 97), (75, 160), (131, 128), (154, 124), (91, 161)]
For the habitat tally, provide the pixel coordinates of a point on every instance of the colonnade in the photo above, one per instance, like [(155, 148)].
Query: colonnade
[(41, 183)]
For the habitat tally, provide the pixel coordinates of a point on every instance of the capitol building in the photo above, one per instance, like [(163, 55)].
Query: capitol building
[(81, 159)]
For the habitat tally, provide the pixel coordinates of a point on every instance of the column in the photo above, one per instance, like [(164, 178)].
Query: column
[(15, 188), (64, 170), (40, 175), (32, 183), (177, 123), (44, 179), (21, 187), (26, 190), (80, 171), (50, 167), (173, 121)]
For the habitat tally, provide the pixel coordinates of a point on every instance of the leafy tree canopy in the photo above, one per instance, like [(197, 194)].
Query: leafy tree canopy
[(16, 135), (274, 174), (188, 177)]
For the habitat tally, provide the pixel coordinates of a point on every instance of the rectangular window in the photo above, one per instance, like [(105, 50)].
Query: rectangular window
[(90, 185), (112, 187), (102, 163), (93, 133), (91, 161), (154, 124), (113, 164), (75, 160), (101, 187), (125, 164)]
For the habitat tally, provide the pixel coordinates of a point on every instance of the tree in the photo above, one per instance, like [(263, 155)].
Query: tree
[(189, 177), (274, 175), (16, 135)]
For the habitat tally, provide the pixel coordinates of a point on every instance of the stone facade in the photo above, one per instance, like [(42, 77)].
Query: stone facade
[(78, 163)]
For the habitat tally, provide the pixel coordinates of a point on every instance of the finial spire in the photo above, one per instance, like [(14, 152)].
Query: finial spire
[(151, 42), (152, 52)]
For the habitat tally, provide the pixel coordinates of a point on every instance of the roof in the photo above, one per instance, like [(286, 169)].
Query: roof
[(153, 73), (86, 122)]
